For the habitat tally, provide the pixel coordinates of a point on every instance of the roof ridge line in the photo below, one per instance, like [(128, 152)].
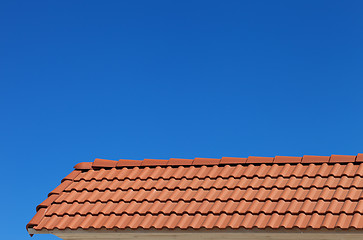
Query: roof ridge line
[(306, 159)]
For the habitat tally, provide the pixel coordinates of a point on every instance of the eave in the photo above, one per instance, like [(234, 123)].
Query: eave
[(214, 234)]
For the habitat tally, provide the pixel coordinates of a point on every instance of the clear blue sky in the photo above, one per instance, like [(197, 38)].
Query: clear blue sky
[(160, 79)]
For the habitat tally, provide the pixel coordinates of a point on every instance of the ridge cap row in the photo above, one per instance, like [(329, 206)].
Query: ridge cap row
[(306, 159)]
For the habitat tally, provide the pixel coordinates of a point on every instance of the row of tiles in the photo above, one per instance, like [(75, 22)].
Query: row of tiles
[(218, 183), (205, 207), (237, 171), (103, 163), (213, 194), (198, 221)]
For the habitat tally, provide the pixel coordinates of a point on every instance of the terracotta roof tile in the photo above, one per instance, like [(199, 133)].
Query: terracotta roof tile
[(206, 161), (180, 162), (47, 202), (359, 157), (283, 159), (315, 159), (83, 166), (342, 159), (71, 176), (281, 192), (154, 162), (128, 163), (37, 218), (233, 160), (103, 163), (60, 188), (259, 160)]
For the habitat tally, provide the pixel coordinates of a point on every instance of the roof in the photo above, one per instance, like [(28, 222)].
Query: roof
[(310, 192)]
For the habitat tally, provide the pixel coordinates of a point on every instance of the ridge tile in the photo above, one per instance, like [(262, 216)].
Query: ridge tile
[(154, 162), (265, 160), (233, 160), (179, 162), (359, 157), (285, 159), (128, 163), (342, 159), (83, 166), (315, 159), (206, 161), (104, 163)]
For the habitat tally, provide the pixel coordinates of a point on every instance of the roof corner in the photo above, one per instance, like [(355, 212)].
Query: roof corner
[(83, 166)]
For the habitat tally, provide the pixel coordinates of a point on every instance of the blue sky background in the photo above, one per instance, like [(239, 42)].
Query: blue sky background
[(161, 79)]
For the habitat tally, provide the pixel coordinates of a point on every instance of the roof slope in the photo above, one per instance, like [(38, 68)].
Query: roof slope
[(279, 193)]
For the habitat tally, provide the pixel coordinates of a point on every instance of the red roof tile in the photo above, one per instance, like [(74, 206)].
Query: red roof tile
[(282, 192), (359, 157), (315, 159), (206, 161), (83, 166), (128, 163), (342, 158), (154, 162), (232, 160), (283, 159), (103, 163), (179, 162), (260, 160)]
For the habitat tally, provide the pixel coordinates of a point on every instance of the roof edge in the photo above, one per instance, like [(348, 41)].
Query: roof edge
[(201, 230), (306, 159), (52, 196)]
